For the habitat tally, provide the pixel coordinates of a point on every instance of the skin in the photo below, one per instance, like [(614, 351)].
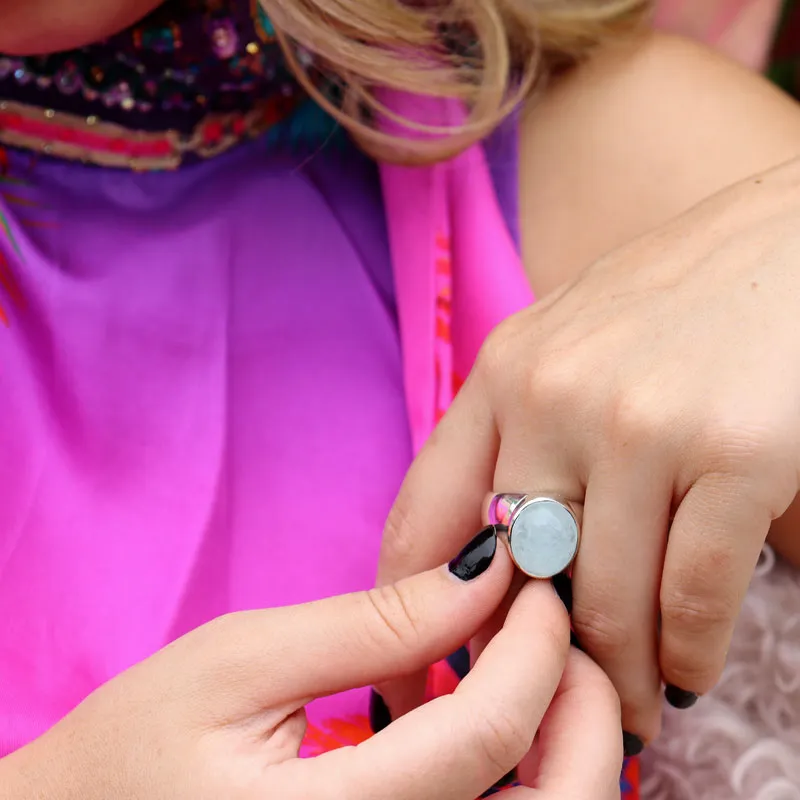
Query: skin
[(659, 374), (608, 388), (556, 201), (37, 27), (219, 713)]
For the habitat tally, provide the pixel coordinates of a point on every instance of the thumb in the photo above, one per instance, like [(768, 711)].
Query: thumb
[(301, 652)]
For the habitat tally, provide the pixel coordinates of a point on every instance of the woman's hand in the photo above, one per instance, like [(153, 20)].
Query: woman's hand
[(663, 387), (220, 712)]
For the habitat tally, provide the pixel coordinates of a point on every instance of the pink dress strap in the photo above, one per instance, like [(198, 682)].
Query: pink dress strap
[(457, 270)]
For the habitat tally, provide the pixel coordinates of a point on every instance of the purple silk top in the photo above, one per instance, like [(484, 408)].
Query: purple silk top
[(201, 410)]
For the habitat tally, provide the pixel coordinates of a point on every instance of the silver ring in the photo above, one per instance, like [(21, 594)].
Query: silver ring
[(543, 533)]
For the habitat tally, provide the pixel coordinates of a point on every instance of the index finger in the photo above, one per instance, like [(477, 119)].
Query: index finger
[(440, 499), (457, 746), (439, 502)]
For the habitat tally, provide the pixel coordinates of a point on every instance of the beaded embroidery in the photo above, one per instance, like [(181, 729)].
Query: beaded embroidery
[(192, 79)]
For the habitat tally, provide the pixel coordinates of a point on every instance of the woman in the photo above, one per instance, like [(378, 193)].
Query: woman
[(167, 394)]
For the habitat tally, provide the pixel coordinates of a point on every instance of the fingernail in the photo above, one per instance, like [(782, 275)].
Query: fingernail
[(379, 715), (632, 745), (476, 557), (459, 662), (679, 698), (562, 583)]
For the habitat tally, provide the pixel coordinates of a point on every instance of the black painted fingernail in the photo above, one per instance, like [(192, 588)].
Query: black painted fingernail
[(379, 715), (562, 583), (632, 745), (476, 557), (459, 662), (679, 698)]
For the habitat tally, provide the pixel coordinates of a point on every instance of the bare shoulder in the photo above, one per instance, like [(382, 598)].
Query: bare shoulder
[(634, 137)]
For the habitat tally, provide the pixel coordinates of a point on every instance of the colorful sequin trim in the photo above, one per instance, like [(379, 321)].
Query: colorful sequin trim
[(106, 144), (191, 80), (186, 59)]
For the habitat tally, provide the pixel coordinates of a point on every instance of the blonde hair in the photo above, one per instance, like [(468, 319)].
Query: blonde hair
[(489, 54)]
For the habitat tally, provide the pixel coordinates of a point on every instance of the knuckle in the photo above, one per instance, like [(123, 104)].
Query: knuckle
[(497, 352), (696, 616), (757, 459), (401, 533), (601, 633), (734, 446), (738, 443), (395, 621), (502, 739), (541, 375), (634, 416), (552, 381)]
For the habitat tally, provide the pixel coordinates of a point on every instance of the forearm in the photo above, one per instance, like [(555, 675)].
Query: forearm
[(18, 779), (43, 771)]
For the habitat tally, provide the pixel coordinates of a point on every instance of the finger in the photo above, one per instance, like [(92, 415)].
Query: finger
[(579, 746), (439, 501), (456, 747), (713, 548), (529, 461), (626, 510), (358, 639), (438, 504), (495, 623), (615, 583)]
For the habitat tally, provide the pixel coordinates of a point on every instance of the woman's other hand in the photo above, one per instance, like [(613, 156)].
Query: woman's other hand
[(219, 713)]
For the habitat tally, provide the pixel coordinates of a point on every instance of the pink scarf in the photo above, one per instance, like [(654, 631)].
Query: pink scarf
[(457, 270)]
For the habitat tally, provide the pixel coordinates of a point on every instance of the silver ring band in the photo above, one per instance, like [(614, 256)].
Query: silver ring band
[(543, 533)]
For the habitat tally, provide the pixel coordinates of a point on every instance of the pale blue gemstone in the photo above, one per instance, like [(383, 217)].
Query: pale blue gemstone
[(543, 538)]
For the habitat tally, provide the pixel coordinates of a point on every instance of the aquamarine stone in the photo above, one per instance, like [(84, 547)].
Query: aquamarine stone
[(543, 537)]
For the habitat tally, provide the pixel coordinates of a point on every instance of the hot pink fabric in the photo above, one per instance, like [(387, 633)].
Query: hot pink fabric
[(457, 270)]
